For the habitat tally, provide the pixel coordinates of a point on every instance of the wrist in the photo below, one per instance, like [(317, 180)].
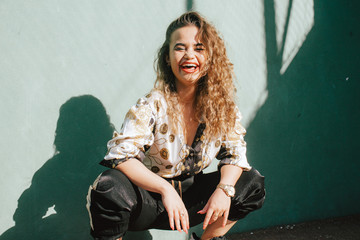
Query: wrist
[(220, 191), (228, 189), (166, 188)]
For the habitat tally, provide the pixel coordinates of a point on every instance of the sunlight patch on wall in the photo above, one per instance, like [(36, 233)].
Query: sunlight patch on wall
[(51, 210), (292, 27)]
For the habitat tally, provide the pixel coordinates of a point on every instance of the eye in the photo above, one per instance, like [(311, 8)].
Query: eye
[(179, 49), (199, 47)]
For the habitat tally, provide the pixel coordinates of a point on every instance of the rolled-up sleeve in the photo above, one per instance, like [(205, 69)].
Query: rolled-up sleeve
[(135, 137), (233, 147)]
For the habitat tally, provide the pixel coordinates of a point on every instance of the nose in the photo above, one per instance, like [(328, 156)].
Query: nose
[(189, 54)]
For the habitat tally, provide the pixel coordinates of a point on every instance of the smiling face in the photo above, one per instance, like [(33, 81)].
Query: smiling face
[(186, 56)]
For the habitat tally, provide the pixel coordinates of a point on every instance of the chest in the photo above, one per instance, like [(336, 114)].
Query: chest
[(190, 125), (171, 156), (190, 131)]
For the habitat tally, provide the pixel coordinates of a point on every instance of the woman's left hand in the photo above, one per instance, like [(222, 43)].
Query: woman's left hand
[(217, 206)]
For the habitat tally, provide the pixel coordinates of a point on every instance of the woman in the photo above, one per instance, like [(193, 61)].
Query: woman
[(169, 137)]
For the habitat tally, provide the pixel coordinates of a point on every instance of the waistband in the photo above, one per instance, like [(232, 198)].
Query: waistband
[(182, 183)]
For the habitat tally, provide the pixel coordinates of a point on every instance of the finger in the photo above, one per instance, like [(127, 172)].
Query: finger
[(215, 216), (171, 220), (226, 215), (187, 220), (184, 223), (204, 210), (207, 218), (177, 221)]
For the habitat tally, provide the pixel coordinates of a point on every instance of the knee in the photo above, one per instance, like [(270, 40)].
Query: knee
[(251, 187), (111, 200), (250, 194), (110, 179), (112, 186)]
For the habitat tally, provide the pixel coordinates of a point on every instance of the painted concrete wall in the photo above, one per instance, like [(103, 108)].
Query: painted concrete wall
[(304, 137), (69, 70)]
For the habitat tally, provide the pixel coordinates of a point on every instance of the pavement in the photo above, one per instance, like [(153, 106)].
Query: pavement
[(340, 228)]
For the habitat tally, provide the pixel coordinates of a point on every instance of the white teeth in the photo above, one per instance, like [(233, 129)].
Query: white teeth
[(189, 65)]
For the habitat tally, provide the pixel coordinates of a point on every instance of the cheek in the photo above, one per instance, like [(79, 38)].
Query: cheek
[(203, 59), (176, 57), (173, 64)]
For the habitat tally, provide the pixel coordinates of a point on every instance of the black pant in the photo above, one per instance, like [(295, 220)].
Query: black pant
[(117, 205)]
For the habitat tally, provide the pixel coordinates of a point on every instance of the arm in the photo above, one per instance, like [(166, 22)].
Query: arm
[(233, 162), (144, 178), (219, 203), (125, 154)]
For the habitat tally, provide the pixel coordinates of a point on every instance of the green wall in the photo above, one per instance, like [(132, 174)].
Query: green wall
[(305, 137), (69, 70)]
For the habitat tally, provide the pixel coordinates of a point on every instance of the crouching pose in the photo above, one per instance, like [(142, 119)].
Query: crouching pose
[(169, 136)]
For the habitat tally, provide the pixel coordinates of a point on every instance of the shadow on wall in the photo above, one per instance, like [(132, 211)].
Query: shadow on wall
[(304, 139), (61, 184)]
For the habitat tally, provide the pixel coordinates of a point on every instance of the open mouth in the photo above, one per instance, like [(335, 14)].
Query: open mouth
[(189, 68)]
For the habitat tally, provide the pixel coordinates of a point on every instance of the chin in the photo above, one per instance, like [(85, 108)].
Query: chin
[(191, 81)]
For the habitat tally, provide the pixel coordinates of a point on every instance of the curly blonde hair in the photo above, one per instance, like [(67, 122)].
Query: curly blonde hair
[(214, 102)]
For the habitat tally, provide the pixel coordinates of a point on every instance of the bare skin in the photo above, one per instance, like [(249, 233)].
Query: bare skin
[(218, 206), (185, 48), (216, 229), (146, 179)]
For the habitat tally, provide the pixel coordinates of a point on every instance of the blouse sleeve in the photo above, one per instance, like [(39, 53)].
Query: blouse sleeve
[(233, 147), (135, 137)]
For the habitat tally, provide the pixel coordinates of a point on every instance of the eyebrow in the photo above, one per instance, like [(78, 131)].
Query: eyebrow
[(183, 45), (179, 44)]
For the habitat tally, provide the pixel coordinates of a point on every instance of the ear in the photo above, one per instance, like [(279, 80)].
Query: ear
[(167, 60)]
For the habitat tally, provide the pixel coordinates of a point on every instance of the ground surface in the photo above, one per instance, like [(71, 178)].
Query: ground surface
[(343, 228)]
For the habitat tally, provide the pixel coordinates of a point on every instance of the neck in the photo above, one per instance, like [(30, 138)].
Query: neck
[(186, 94)]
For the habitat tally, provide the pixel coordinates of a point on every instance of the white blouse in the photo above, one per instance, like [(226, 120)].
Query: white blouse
[(146, 135)]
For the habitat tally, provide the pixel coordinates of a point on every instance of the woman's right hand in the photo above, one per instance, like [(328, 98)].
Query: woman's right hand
[(178, 215), (144, 178)]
